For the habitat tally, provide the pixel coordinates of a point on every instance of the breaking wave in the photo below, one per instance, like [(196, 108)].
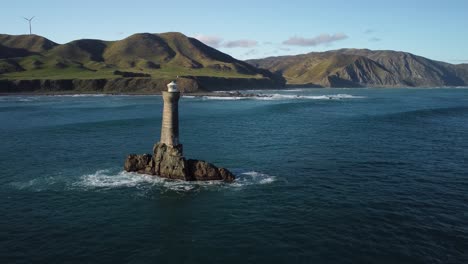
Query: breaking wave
[(82, 95), (311, 97), (109, 179), (104, 179), (17, 98), (276, 96), (37, 184)]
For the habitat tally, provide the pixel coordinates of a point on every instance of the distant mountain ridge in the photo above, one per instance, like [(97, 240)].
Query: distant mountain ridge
[(152, 59), (156, 56), (363, 67)]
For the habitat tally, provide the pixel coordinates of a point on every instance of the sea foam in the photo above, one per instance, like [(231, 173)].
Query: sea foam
[(277, 96), (105, 179), (111, 179)]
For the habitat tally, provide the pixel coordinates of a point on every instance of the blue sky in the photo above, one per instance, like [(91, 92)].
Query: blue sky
[(254, 29)]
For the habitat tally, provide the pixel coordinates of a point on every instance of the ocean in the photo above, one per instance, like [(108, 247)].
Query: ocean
[(323, 176)]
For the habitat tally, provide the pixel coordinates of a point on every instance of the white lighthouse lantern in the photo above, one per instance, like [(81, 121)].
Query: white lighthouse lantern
[(172, 87)]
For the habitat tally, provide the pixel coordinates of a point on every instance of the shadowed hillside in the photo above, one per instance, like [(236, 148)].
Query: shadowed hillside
[(363, 67)]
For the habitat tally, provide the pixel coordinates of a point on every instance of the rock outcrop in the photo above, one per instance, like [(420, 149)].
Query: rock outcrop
[(168, 162)]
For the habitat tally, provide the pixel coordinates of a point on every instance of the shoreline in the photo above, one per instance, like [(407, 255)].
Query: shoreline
[(194, 94), (221, 93)]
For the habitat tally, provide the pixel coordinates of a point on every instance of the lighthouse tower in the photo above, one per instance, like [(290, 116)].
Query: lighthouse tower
[(170, 117)]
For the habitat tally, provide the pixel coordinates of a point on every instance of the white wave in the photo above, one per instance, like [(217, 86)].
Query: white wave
[(224, 97), (25, 184), (310, 97), (276, 96), (37, 184), (104, 179), (87, 95), (338, 96), (90, 95), (293, 90), (17, 99), (252, 178)]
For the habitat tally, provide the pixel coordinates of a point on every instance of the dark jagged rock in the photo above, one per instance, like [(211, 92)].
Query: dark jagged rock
[(201, 170), (136, 162), (168, 162)]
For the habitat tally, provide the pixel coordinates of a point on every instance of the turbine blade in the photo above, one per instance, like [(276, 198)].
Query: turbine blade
[(32, 17)]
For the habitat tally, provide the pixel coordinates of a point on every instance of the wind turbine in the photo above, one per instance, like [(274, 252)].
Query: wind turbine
[(29, 20)]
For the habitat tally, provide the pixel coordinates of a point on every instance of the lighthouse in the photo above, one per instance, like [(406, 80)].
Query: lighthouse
[(170, 117), (168, 160)]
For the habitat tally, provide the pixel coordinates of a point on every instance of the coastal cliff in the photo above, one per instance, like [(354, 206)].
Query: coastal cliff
[(364, 68), (190, 84)]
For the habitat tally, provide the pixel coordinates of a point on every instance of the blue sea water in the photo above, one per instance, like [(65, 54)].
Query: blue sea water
[(324, 176)]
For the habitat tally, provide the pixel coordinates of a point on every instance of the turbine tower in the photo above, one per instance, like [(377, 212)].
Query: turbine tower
[(29, 20)]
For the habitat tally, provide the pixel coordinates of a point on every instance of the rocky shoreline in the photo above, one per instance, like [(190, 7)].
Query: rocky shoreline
[(136, 85), (196, 94)]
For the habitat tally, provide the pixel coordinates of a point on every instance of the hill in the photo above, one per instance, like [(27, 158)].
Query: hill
[(29, 43), (155, 56), (363, 67)]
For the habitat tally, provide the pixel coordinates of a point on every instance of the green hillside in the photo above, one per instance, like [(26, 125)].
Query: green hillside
[(161, 56)]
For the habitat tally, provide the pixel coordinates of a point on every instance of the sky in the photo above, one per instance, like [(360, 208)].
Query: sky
[(248, 29)]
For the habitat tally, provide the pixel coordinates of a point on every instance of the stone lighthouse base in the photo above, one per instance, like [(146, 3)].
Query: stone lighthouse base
[(168, 162)]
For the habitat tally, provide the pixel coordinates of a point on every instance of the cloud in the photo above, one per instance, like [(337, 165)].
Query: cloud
[(241, 43), (315, 41), (285, 49), (213, 41), (218, 42), (375, 39), (369, 31), (251, 52)]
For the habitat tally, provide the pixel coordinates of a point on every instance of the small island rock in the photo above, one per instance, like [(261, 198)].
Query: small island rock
[(168, 162)]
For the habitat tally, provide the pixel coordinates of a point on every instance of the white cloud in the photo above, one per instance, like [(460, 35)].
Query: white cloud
[(241, 43), (315, 41), (218, 42), (213, 41)]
